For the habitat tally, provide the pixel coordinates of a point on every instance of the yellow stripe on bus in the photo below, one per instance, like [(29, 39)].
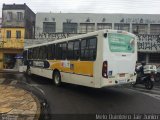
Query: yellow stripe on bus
[(76, 67)]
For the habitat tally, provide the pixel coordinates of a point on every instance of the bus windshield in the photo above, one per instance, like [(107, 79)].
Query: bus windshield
[(121, 43)]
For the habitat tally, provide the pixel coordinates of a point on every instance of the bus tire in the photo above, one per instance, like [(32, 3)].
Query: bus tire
[(28, 72), (57, 78)]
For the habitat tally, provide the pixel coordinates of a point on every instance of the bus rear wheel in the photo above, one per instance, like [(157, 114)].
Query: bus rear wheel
[(57, 78)]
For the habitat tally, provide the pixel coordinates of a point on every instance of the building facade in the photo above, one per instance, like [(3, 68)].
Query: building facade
[(18, 23), (145, 26), (0, 22)]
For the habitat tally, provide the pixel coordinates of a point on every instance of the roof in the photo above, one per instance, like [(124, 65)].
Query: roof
[(16, 7), (13, 6)]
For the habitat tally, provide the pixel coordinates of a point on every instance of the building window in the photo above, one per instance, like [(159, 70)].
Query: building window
[(18, 34), (139, 28), (87, 27), (9, 16), (141, 57), (19, 16), (8, 35), (155, 29), (121, 26), (70, 27), (154, 57), (49, 27), (101, 26)]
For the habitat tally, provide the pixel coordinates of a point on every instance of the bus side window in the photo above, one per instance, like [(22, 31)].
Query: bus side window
[(51, 51), (88, 49), (25, 57), (36, 52), (83, 49), (64, 49), (61, 49), (76, 52), (57, 51), (44, 55), (70, 50), (92, 48), (40, 53), (30, 53)]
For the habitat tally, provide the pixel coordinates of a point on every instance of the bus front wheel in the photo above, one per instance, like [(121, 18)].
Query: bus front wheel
[(28, 72), (57, 78)]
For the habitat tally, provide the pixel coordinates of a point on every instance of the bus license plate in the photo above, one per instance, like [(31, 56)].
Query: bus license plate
[(122, 81), (122, 75)]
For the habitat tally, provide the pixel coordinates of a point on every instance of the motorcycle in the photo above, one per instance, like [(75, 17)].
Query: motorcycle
[(148, 76)]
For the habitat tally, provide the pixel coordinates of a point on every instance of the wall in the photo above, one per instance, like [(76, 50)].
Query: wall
[(14, 22), (29, 23), (13, 42)]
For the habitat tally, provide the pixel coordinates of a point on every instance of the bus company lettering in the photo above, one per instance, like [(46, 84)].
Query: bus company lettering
[(66, 64), (38, 63)]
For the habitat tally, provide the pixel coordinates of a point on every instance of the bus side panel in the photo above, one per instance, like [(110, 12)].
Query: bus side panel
[(42, 72), (82, 80), (76, 72)]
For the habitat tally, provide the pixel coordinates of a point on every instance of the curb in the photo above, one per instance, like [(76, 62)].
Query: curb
[(10, 71)]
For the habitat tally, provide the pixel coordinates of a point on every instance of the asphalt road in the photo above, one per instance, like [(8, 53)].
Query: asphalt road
[(74, 99)]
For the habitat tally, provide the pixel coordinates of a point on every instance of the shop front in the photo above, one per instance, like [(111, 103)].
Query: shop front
[(8, 58)]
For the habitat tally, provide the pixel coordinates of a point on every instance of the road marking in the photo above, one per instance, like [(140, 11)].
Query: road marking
[(153, 95), (148, 91)]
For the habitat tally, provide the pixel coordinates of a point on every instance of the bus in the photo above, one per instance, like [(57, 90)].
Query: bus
[(96, 59)]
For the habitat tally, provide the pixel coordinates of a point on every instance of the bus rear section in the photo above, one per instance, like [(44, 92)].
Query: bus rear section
[(119, 59)]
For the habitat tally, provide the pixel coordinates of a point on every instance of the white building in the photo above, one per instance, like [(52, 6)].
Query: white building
[(50, 26)]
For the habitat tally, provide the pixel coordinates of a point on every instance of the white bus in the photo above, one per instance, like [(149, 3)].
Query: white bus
[(97, 59)]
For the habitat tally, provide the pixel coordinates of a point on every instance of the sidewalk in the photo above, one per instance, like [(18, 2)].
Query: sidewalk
[(18, 104)]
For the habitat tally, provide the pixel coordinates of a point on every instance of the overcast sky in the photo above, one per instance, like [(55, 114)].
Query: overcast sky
[(90, 6)]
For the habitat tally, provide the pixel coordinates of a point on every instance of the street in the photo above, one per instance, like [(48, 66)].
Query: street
[(73, 99)]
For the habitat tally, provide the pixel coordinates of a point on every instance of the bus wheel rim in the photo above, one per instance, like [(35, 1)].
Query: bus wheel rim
[(29, 72), (56, 79)]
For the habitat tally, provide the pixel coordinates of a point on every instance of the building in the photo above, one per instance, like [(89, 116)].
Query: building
[(51, 26), (0, 42), (18, 23), (0, 22)]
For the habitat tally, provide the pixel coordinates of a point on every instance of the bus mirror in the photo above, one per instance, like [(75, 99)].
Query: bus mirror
[(105, 35)]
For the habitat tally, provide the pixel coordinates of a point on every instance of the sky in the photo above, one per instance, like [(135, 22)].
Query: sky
[(90, 6)]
